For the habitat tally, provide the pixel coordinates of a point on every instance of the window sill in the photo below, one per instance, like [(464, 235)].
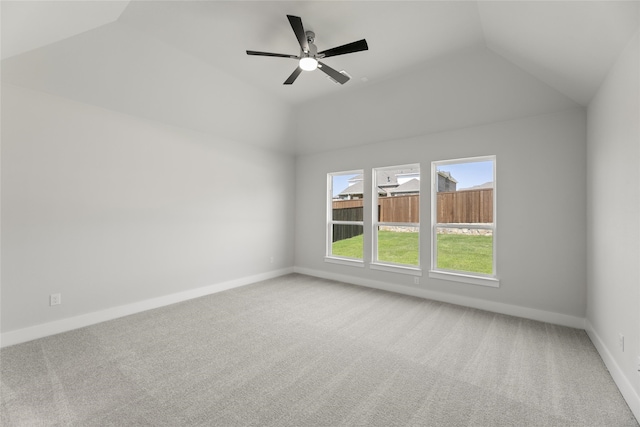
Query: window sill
[(345, 261), (402, 269), (465, 278)]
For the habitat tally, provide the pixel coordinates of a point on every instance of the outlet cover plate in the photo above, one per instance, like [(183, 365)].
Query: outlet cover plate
[(55, 299)]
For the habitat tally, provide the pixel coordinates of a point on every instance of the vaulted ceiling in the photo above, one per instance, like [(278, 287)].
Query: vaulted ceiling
[(570, 45), (106, 53)]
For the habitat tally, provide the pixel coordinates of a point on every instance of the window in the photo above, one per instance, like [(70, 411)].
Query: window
[(396, 217), (464, 220), (344, 216)]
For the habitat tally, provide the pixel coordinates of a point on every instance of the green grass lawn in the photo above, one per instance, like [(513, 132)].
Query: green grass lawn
[(350, 248), (397, 247), (455, 251), (465, 253)]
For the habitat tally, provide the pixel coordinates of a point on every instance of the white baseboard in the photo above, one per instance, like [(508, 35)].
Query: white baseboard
[(64, 325), (495, 307), (622, 381)]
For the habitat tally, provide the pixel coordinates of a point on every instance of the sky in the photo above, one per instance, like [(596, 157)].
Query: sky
[(470, 174), (467, 175), (340, 183)]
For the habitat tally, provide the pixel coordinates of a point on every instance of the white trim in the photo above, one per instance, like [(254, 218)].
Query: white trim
[(377, 264), (396, 224), (396, 268), (492, 306), (474, 159), (465, 278), (469, 277), (629, 394), (478, 226), (352, 262), (329, 218), (334, 222), (51, 328)]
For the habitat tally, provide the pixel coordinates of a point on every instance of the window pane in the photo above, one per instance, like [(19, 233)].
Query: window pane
[(397, 196), (347, 241), (347, 186), (398, 192), (399, 245), (465, 193), (345, 204), (465, 249)]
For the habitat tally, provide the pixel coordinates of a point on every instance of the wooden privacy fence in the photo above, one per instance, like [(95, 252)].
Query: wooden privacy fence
[(399, 208), (466, 206), (390, 209), (347, 210)]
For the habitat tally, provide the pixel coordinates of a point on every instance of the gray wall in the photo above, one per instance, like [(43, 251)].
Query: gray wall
[(614, 221), (109, 209), (541, 228), (472, 103)]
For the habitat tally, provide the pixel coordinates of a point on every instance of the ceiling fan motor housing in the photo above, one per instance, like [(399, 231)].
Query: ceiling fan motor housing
[(313, 50), (311, 36)]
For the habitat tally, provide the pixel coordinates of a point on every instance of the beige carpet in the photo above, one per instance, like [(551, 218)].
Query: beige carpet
[(302, 351)]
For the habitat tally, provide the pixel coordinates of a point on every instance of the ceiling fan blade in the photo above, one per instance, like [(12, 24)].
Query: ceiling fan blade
[(279, 55), (335, 75), (358, 46), (292, 78), (298, 29)]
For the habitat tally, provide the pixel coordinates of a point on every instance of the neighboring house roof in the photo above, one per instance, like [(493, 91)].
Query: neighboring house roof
[(356, 188), (479, 187), (384, 191), (387, 181), (389, 178), (411, 186)]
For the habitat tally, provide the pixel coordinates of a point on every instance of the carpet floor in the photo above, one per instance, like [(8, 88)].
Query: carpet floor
[(303, 351)]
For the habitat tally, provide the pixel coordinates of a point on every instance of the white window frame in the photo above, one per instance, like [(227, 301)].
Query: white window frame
[(455, 275), (329, 257), (387, 265)]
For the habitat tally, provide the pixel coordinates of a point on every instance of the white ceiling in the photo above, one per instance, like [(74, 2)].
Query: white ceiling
[(27, 25), (569, 45)]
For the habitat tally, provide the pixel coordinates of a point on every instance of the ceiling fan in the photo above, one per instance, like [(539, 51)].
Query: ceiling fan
[(309, 56)]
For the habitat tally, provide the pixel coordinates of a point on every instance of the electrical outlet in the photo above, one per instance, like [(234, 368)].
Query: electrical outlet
[(621, 342), (638, 364), (55, 299), (416, 280), (271, 260)]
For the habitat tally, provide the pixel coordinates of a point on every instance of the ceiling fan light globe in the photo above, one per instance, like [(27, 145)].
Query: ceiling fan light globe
[(308, 64)]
